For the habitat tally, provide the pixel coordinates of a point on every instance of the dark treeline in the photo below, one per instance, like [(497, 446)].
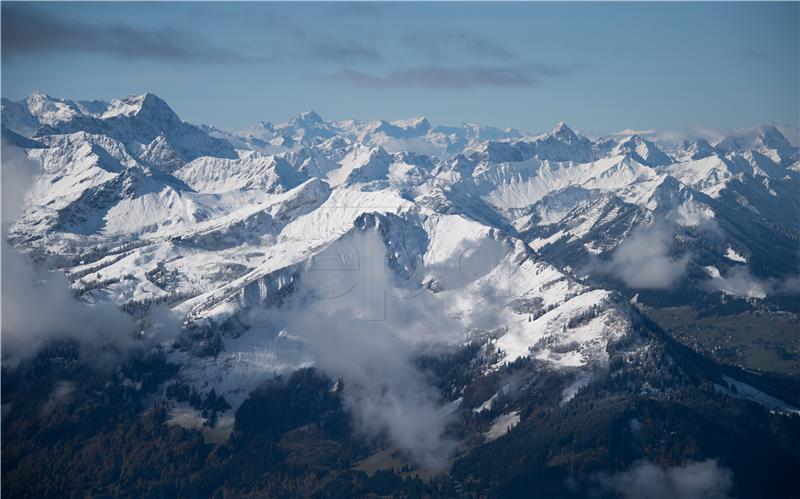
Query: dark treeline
[(74, 429)]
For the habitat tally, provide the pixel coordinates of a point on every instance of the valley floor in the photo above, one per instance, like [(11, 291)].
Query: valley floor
[(762, 341)]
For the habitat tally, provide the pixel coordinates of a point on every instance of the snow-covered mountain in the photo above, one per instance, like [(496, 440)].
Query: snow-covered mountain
[(144, 124), (498, 228)]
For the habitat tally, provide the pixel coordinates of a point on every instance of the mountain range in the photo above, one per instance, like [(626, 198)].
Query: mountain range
[(278, 247)]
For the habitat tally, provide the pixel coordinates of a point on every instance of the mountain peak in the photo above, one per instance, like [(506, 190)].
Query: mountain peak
[(642, 151), (50, 110), (309, 117), (150, 97), (416, 123), (562, 127), (38, 95), (697, 149), (136, 104), (266, 125), (562, 131), (633, 139), (771, 138), (760, 137)]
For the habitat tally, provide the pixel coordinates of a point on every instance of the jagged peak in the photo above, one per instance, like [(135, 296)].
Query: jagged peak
[(697, 148), (308, 117), (134, 105), (416, 122), (39, 95), (637, 140), (39, 100), (765, 136), (378, 151), (51, 110), (562, 129), (266, 125), (149, 97), (772, 138), (633, 139), (642, 150), (561, 126)]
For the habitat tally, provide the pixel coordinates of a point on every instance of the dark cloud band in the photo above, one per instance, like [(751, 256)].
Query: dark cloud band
[(27, 31), (449, 77)]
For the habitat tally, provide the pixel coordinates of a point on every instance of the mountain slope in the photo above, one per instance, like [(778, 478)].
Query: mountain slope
[(524, 249)]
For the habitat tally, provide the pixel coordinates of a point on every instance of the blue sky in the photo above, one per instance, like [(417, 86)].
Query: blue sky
[(597, 66)]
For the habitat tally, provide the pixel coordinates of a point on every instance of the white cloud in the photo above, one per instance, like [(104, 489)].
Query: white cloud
[(38, 305), (367, 334), (737, 282), (645, 480), (643, 262)]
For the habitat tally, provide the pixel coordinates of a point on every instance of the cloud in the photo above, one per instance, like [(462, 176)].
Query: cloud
[(675, 137), (632, 131), (340, 50), (738, 281), (788, 286), (60, 395), (18, 173), (448, 45), (38, 305), (454, 77), (298, 43), (645, 480), (27, 31), (363, 330), (642, 261)]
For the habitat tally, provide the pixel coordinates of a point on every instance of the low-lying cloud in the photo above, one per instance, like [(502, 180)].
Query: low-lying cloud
[(38, 305), (643, 260), (739, 281), (645, 480), (366, 332), (18, 174)]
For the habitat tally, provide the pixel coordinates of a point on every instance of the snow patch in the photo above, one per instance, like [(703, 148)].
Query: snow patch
[(731, 254), (502, 425)]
